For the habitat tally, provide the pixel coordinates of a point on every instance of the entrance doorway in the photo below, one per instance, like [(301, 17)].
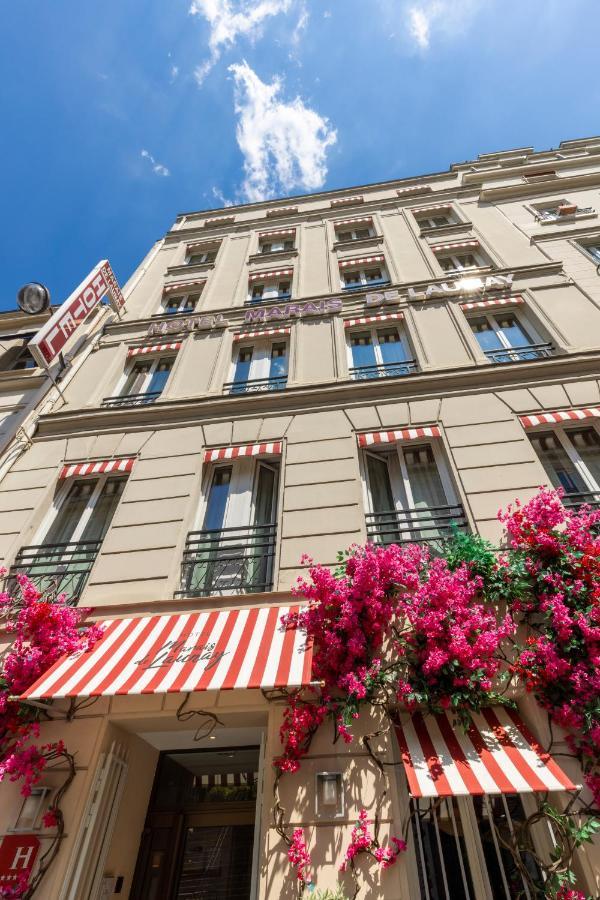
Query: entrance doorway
[(198, 839)]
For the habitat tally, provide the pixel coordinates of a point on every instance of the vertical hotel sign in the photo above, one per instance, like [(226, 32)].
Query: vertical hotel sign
[(50, 340)]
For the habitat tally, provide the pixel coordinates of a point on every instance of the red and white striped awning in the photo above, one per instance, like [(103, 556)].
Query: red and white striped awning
[(98, 467), (203, 245), (153, 348), (183, 286), (274, 273), (361, 260), (497, 755), (455, 245), (282, 231), (222, 220), (415, 188), (486, 304), (266, 332), (272, 448), (340, 223), (425, 209), (346, 201), (177, 653), (368, 438), (281, 211), (366, 320), (563, 415)]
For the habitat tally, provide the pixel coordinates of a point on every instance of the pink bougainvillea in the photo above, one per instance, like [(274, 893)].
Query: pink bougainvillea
[(363, 841), (299, 857)]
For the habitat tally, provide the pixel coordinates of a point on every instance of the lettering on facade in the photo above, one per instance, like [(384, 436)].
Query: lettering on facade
[(178, 651), (294, 310), (194, 323), (17, 856), (443, 289)]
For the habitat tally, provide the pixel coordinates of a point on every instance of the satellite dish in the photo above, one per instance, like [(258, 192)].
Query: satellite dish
[(33, 298)]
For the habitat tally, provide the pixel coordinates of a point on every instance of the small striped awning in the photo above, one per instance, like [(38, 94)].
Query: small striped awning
[(369, 438), (432, 208), (266, 332), (497, 755), (279, 233), (366, 320), (183, 286), (98, 467), (177, 653), (222, 220), (341, 223), (281, 211), (153, 348), (563, 415), (361, 261), (202, 245), (455, 245), (486, 304), (272, 448), (274, 273), (415, 188), (346, 201)]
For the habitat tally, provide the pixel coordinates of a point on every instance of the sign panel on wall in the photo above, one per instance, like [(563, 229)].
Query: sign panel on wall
[(18, 853)]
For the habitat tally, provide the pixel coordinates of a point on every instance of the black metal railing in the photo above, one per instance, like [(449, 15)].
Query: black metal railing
[(254, 301), (132, 399), (55, 568), (582, 498), (431, 525), (556, 216), (256, 385), (228, 561), (520, 354), (369, 284), (385, 370)]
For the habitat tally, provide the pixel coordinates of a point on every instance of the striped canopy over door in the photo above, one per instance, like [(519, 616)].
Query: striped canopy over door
[(496, 755), (217, 650)]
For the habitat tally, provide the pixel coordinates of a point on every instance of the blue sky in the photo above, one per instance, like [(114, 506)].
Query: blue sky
[(117, 115)]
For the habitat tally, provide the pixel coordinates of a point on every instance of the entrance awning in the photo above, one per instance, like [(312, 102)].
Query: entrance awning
[(218, 650), (497, 755)]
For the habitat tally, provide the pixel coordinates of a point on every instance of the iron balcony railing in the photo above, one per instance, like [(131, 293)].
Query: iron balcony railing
[(520, 354), (228, 561), (555, 215), (587, 498), (385, 370), (132, 399), (368, 284), (55, 568), (256, 385), (431, 525), (255, 300)]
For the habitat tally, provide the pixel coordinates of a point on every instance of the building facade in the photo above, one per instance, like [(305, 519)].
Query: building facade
[(293, 377)]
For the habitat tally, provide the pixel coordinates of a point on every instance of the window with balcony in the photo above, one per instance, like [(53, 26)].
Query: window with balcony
[(62, 561), (270, 289), (560, 210), (262, 366), (369, 276), (143, 383), (410, 495), (379, 352), (184, 303), (571, 458), (504, 338), (234, 550)]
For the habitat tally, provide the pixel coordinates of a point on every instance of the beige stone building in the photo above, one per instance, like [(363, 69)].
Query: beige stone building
[(292, 377)]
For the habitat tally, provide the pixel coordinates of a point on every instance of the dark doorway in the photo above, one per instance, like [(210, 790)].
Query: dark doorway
[(199, 835)]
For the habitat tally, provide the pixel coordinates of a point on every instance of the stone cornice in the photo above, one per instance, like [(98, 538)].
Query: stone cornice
[(528, 189), (471, 378)]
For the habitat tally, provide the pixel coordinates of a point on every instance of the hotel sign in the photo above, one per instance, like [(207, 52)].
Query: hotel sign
[(193, 323), (464, 285), (293, 310), (52, 337)]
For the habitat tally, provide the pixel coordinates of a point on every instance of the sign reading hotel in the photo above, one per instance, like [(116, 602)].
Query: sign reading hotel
[(192, 323), (51, 339), (443, 289), (292, 310)]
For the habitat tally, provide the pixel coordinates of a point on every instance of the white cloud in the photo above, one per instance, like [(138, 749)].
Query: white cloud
[(428, 18), (418, 26), (157, 167), (220, 196), (228, 19), (174, 73), (301, 24), (284, 144)]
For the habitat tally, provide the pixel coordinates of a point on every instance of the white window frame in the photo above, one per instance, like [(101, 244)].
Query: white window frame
[(183, 299), (277, 245), (154, 361), (490, 317), (60, 498), (398, 473), (260, 364), (203, 253), (241, 497), (271, 289), (481, 262), (591, 250), (426, 220), (373, 331), (363, 280), (562, 434), (339, 228)]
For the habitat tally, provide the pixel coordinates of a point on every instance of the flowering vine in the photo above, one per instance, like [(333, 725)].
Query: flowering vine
[(43, 630)]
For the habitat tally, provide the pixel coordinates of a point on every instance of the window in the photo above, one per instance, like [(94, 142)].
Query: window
[(354, 231), (234, 550), (354, 279), (15, 353), (592, 250), (144, 382), (185, 303), (504, 338), (270, 290), (379, 353), (273, 244), (24, 360), (61, 560), (437, 218), (571, 458), (559, 209), (461, 260), (202, 258), (410, 495), (260, 367)]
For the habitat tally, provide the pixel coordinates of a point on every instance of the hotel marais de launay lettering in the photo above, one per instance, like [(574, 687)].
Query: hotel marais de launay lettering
[(331, 307)]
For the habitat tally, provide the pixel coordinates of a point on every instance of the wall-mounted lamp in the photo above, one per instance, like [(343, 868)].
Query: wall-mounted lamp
[(329, 795)]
